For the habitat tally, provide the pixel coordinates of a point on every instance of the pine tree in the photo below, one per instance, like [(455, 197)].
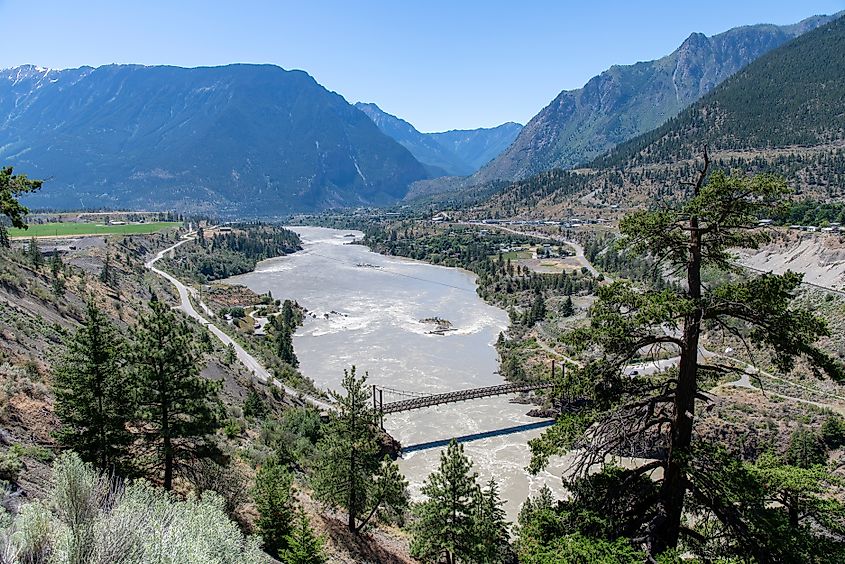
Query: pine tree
[(284, 346), (687, 237), (56, 264), (275, 504), (537, 311), (56, 268), (567, 309), (808, 499), (12, 186), (349, 472), (93, 392), (535, 505), (303, 546), (446, 526), (833, 431), (288, 315), (806, 449), (491, 528), (105, 272), (34, 254), (178, 409), (254, 406), (231, 355)]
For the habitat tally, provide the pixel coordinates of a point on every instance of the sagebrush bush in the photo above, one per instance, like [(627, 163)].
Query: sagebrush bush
[(93, 518)]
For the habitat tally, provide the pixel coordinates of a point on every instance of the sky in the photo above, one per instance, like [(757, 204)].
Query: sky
[(439, 64)]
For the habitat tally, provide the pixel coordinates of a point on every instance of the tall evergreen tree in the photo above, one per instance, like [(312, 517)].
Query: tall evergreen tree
[(303, 546), (446, 528), (491, 527), (231, 355), (177, 409), (284, 346), (56, 269), (349, 472), (275, 504), (106, 276), (806, 449), (288, 315), (34, 254), (93, 393), (567, 309), (56, 265), (697, 233)]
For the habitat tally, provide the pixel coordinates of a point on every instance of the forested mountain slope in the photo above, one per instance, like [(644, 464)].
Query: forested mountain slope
[(783, 113), (627, 100), (245, 139)]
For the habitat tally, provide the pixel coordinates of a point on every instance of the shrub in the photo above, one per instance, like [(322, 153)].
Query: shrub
[(89, 517), (227, 481), (232, 429), (10, 465), (833, 431), (38, 452)]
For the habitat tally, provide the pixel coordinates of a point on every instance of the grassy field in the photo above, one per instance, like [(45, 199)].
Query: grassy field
[(516, 255), (72, 228)]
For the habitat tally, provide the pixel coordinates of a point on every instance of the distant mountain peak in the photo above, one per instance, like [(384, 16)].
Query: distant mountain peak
[(450, 153), (625, 101)]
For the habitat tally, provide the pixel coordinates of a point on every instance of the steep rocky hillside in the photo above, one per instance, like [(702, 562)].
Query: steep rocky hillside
[(780, 114), (625, 101)]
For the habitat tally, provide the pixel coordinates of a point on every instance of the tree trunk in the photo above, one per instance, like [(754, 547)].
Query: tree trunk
[(168, 447), (351, 522), (674, 487), (101, 420), (793, 512), (352, 478)]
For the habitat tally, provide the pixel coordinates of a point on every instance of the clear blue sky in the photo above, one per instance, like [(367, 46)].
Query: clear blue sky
[(440, 64)]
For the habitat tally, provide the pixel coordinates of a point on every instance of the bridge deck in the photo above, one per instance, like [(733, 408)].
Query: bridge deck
[(461, 395)]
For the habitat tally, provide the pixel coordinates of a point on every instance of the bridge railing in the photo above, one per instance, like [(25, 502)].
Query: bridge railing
[(459, 395)]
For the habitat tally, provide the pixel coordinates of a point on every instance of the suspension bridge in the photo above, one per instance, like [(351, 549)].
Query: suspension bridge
[(405, 400), (419, 400)]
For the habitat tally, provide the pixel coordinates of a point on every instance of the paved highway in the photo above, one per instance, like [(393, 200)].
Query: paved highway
[(249, 361)]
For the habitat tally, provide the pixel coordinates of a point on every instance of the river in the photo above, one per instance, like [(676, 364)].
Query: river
[(365, 309)]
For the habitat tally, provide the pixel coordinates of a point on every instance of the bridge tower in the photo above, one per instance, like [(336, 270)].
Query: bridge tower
[(378, 406)]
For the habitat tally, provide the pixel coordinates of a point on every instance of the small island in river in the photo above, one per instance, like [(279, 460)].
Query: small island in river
[(441, 326)]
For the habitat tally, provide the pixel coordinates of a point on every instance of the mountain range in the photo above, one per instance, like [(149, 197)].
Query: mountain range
[(451, 153), (782, 113), (258, 140), (240, 139), (626, 101)]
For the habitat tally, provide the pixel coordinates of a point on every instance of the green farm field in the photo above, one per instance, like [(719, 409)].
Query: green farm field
[(72, 228)]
